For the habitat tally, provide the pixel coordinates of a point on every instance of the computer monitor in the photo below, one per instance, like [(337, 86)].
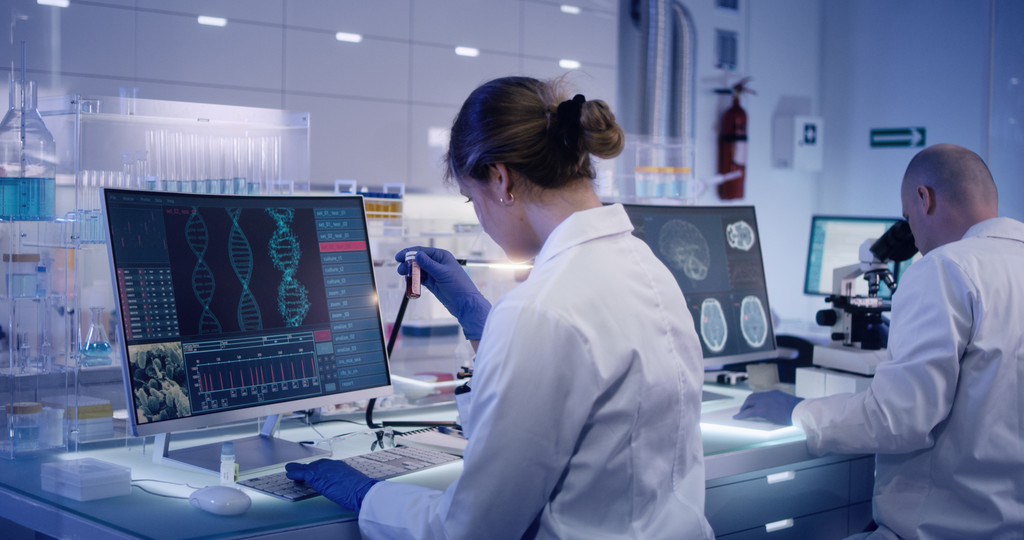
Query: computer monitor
[(714, 252), (835, 241), (239, 307)]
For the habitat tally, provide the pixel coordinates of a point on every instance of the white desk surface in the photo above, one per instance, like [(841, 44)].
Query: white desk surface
[(728, 449)]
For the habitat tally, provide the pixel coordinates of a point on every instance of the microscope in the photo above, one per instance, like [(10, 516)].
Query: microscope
[(859, 333)]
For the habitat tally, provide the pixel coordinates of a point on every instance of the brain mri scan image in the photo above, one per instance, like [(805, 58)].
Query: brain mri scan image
[(740, 235), (713, 328), (753, 321), (683, 247)]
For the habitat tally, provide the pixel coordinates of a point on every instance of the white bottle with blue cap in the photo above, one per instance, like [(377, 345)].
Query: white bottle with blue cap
[(228, 467)]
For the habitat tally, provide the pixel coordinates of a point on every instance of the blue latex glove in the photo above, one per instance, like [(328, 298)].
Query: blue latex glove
[(443, 276), (334, 479), (775, 406)]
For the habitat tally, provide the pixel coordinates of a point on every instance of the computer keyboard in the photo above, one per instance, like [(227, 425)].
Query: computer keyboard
[(379, 465)]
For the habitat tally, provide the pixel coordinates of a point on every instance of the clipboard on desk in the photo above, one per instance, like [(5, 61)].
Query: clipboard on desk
[(433, 439)]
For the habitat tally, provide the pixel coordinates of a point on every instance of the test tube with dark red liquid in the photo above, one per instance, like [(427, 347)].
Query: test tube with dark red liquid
[(412, 279)]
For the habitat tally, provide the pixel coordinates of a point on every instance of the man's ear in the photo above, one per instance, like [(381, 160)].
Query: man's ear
[(926, 197)]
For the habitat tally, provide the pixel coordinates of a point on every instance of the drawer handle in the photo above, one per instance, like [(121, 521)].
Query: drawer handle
[(785, 476), (778, 525)]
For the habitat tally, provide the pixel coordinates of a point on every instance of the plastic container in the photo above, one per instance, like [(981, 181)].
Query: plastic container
[(86, 479), (24, 419), (22, 270)]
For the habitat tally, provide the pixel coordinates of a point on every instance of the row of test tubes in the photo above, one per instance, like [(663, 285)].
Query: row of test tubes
[(185, 163), (191, 163)]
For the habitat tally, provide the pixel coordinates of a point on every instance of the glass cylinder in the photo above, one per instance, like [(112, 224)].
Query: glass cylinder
[(28, 159)]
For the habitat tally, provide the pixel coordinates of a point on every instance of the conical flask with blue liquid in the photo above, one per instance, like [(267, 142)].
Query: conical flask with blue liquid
[(28, 158), (95, 349)]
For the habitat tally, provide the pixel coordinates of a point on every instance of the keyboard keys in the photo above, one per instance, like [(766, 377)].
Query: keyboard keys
[(379, 465), (280, 486)]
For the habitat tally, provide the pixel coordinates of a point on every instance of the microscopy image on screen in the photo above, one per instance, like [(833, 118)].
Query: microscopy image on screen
[(159, 381)]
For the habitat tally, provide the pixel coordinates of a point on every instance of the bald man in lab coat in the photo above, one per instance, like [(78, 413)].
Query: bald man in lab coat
[(945, 411)]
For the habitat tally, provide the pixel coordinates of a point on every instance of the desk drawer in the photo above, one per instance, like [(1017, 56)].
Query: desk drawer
[(752, 503), (862, 479), (829, 525)]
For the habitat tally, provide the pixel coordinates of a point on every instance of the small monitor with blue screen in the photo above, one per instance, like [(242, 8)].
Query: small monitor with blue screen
[(835, 242)]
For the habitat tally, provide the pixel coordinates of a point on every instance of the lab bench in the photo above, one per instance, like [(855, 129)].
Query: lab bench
[(760, 484)]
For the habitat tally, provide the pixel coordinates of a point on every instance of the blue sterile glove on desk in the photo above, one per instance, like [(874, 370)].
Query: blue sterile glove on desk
[(775, 406), (443, 276), (334, 479)]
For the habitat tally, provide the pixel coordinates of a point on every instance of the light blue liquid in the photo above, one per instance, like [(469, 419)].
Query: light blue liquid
[(27, 199), (95, 354)]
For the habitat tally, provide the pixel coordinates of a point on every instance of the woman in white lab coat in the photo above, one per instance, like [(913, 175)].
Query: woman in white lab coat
[(585, 400)]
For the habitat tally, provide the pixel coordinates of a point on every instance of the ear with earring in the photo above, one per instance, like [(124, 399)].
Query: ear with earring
[(511, 199)]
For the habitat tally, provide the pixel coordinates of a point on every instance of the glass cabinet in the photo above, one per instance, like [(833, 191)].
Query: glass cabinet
[(60, 375)]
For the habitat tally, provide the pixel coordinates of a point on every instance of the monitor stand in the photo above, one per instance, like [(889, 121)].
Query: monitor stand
[(252, 454)]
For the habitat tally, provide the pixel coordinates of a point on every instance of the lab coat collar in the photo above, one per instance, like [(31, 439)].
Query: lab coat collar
[(583, 226), (998, 227)]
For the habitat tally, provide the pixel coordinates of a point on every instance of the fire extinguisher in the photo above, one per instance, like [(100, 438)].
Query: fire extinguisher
[(732, 143)]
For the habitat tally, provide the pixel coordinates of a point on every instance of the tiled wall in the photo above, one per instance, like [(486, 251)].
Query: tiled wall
[(373, 104)]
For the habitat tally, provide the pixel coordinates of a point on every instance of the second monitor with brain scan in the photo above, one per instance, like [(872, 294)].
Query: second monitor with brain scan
[(715, 255)]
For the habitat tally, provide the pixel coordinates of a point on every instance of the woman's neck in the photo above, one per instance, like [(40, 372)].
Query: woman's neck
[(549, 208)]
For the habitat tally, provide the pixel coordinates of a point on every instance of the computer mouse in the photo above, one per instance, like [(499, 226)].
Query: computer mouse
[(222, 500)]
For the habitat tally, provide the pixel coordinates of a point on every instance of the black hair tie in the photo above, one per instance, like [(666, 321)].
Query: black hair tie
[(569, 113)]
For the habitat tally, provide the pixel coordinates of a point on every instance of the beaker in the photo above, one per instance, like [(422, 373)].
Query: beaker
[(28, 159), (664, 170), (95, 349)]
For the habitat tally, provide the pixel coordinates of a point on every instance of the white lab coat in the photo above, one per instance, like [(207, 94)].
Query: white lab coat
[(585, 405), (945, 411)]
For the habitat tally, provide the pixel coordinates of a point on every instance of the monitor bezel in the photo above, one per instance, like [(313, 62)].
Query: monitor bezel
[(715, 362), (220, 418), (896, 267)]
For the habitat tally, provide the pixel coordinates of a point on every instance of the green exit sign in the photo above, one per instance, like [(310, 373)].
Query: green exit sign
[(897, 137)]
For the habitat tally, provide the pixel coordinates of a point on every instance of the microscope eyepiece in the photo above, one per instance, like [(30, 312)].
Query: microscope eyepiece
[(897, 244)]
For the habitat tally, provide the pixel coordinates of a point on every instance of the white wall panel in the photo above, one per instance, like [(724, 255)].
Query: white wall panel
[(609, 6), (441, 77), (376, 97), (491, 25), (356, 139), (588, 37), (208, 94), (1006, 150), (425, 159), (784, 74), (315, 62), (115, 3), (177, 48), (264, 11), (381, 18), (909, 64), (594, 82), (79, 39)]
